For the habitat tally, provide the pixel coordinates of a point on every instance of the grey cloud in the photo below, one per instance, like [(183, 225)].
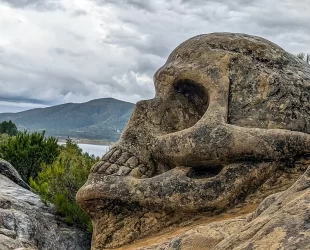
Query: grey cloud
[(43, 5), (238, 4), (80, 12), (149, 63), (22, 3), (76, 36), (148, 46), (147, 5), (22, 99), (65, 52), (144, 5)]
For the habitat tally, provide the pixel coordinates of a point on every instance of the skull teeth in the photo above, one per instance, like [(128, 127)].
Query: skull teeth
[(96, 167), (104, 167), (117, 162), (136, 173), (109, 154), (132, 162), (112, 169), (123, 171), (115, 156)]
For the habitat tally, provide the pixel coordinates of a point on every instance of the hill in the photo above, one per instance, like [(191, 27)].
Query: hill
[(103, 118)]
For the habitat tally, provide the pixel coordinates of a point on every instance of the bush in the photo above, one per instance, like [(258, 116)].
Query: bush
[(4, 138), (58, 183), (8, 128), (27, 151)]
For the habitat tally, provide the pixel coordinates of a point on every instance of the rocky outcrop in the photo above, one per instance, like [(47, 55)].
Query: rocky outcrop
[(26, 223), (9, 171), (231, 111), (281, 221)]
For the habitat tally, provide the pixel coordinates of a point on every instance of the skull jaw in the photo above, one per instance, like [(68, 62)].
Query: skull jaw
[(124, 209)]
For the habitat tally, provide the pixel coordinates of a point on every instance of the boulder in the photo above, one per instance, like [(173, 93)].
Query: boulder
[(281, 221), (26, 223), (9, 171), (229, 118)]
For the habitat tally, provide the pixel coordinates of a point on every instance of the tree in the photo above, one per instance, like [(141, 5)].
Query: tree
[(27, 151), (58, 183), (304, 57), (8, 128)]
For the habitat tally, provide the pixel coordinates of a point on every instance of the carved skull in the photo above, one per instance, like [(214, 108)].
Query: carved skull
[(229, 110)]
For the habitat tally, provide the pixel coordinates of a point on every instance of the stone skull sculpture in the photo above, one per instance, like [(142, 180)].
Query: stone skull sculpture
[(229, 110)]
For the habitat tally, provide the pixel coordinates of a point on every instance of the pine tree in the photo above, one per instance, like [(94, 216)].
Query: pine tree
[(27, 151), (8, 128)]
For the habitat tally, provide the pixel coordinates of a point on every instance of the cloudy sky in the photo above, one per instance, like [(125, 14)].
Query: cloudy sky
[(58, 51)]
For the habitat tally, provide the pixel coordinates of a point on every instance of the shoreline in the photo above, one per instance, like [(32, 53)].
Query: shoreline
[(87, 141)]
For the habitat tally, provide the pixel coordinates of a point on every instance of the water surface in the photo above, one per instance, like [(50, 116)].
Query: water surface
[(96, 150)]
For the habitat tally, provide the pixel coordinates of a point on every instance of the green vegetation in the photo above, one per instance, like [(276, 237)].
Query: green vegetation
[(304, 57), (27, 151), (55, 172), (4, 137), (8, 127), (58, 182)]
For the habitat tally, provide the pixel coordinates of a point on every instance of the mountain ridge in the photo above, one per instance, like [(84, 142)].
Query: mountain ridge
[(102, 118)]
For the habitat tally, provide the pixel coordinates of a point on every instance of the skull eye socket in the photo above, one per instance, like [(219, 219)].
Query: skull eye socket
[(194, 92), (188, 102)]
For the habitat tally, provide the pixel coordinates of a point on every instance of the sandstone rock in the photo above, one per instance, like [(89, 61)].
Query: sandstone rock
[(26, 223), (281, 221), (231, 111)]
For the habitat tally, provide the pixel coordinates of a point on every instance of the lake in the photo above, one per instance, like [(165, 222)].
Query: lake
[(97, 150)]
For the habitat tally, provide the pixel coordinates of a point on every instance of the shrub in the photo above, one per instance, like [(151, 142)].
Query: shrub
[(4, 138), (27, 151), (58, 183), (8, 128)]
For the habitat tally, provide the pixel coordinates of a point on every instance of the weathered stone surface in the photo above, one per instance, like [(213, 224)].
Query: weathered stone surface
[(9, 171), (281, 221), (26, 223), (230, 112)]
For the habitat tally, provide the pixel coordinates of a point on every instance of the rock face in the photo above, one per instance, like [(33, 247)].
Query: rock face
[(231, 111), (9, 171), (26, 223), (281, 221)]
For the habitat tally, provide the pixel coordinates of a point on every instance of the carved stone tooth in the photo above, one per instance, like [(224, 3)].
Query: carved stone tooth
[(97, 165), (132, 162), (136, 173), (112, 169), (104, 167), (115, 156), (109, 154), (123, 171), (123, 158)]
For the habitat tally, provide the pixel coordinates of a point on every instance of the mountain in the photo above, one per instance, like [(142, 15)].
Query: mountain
[(103, 118)]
